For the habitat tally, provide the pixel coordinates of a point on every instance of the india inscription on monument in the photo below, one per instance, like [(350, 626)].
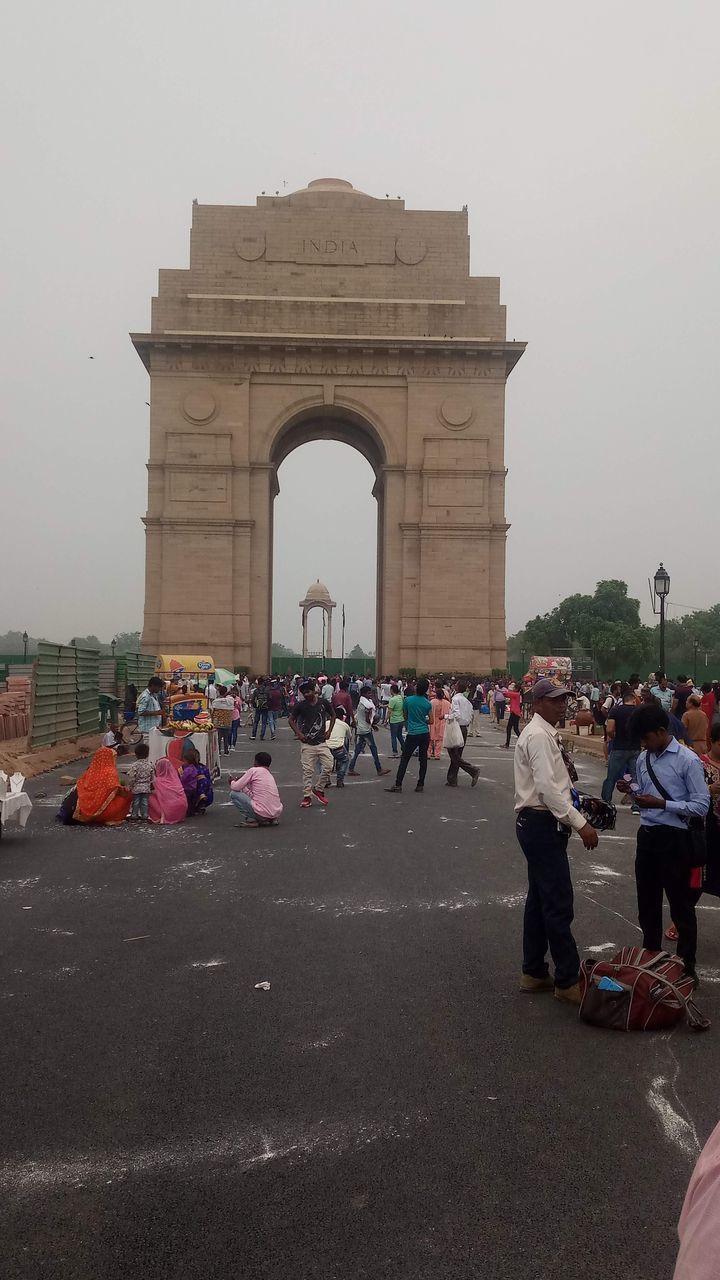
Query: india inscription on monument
[(328, 314)]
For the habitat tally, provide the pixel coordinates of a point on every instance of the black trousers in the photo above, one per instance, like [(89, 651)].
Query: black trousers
[(456, 761), (549, 903), (512, 724), (660, 867), (414, 742)]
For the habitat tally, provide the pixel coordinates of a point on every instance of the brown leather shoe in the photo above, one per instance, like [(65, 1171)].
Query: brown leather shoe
[(570, 994), (533, 986)]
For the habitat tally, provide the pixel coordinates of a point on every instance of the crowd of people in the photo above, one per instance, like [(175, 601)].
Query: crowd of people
[(662, 747)]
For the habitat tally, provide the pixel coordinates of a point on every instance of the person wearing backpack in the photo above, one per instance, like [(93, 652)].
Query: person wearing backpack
[(260, 706), (673, 799)]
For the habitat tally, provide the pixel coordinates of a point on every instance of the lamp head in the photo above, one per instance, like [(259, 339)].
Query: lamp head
[(662, 581)]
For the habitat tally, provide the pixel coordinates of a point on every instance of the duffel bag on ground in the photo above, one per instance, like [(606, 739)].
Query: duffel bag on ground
[(638, 990)]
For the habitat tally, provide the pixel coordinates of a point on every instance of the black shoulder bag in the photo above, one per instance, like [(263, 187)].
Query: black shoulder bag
[(697, 843)]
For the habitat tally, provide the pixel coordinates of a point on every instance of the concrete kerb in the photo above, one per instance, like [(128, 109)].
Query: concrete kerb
[(16, 756)]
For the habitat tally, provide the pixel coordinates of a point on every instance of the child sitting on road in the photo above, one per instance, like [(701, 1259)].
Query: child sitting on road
[(196, 782), (139, 780), (256, 795)]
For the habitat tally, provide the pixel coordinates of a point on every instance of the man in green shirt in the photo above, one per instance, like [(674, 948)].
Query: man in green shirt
[(396, 718), (417, 719)]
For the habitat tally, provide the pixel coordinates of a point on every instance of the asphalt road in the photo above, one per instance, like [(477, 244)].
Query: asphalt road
[(391, 1107)]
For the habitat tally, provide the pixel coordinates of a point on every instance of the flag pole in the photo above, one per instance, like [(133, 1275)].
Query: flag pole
[(342, 667)]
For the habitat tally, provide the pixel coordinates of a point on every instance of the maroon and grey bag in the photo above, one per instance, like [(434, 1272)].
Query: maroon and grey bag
[(638, 990)]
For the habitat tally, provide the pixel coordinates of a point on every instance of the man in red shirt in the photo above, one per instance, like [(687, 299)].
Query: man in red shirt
[(341, 698), (514, 698)]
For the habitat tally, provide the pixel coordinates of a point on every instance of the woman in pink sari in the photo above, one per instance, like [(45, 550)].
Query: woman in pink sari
[(168, 802), (438, 716)]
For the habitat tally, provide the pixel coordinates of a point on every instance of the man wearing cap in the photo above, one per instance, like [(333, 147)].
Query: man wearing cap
[(545, 819)]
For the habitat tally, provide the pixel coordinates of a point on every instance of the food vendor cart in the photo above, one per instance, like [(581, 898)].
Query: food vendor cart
[(181, 668), (184, 710)]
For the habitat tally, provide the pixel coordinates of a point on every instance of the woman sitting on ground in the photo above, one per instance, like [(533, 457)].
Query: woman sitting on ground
[(168, 802), (196, 783), (98, 796)]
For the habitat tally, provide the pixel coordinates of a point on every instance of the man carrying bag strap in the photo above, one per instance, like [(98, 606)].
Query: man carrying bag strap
[(673, 798)]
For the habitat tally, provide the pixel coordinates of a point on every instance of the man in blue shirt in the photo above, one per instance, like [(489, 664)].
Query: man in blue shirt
[(662, 691), (672, 792), (417, 717)]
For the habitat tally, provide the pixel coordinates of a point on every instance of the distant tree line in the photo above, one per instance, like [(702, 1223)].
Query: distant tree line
[(607, 625), (125, 642)]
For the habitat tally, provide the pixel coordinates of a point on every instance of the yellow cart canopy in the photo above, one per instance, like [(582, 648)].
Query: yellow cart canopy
[(184, 664)]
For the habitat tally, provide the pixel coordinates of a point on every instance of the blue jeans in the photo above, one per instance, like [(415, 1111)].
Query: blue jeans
[(272, 722), (234, 732), (140, 805), (260, 715), (341, 756), (242, 802), (549, 902), (223, 733), (363, 740), (397, 736), (619, 762)]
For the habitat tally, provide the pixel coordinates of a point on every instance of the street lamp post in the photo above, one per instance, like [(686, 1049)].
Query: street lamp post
[(113, 642), (25, 645), (661, 586), (696, 646)]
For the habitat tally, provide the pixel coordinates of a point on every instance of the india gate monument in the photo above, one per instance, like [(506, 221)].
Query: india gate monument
[(328, 314)]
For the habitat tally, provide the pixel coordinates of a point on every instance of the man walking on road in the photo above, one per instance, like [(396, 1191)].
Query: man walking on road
[(461, 710), (417, 719), (545, 818), (311, 721), (622, 745), (515, 703), (365, 718)]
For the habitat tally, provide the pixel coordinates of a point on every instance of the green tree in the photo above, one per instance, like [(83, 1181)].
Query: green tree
[(89, 642), (12, 642), (606, 623), (127, 642), (280, 650)]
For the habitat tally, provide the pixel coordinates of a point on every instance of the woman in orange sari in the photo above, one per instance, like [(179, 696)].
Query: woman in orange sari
[(440, 709), (100, 797)]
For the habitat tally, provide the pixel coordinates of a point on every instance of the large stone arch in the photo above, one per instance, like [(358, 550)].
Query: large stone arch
[(328, 314), (351, 427)]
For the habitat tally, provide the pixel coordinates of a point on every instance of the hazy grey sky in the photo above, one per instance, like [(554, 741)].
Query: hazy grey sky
[(584, 140)]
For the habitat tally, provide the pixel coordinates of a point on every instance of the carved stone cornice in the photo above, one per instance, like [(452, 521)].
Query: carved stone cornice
[(327, 355)]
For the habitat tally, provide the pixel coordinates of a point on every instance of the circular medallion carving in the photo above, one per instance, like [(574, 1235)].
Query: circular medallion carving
[(250, 248), (456, 413), (199, 406), (409, 250)]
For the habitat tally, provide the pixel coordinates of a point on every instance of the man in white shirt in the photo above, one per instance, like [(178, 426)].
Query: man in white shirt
[(461, 710), (545, 818)]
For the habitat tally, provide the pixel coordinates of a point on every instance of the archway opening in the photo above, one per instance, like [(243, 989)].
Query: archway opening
[(325, 527)]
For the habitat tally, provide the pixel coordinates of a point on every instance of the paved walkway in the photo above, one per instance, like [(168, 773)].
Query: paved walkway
[(391, 1108)]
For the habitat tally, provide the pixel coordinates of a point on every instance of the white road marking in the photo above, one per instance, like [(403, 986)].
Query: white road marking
[(677, 1128)]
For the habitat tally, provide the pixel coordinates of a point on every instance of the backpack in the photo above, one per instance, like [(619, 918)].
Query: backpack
[(638, 990), (260, 701)]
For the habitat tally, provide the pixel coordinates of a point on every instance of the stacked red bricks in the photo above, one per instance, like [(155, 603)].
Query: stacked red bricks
[(15, 709)]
